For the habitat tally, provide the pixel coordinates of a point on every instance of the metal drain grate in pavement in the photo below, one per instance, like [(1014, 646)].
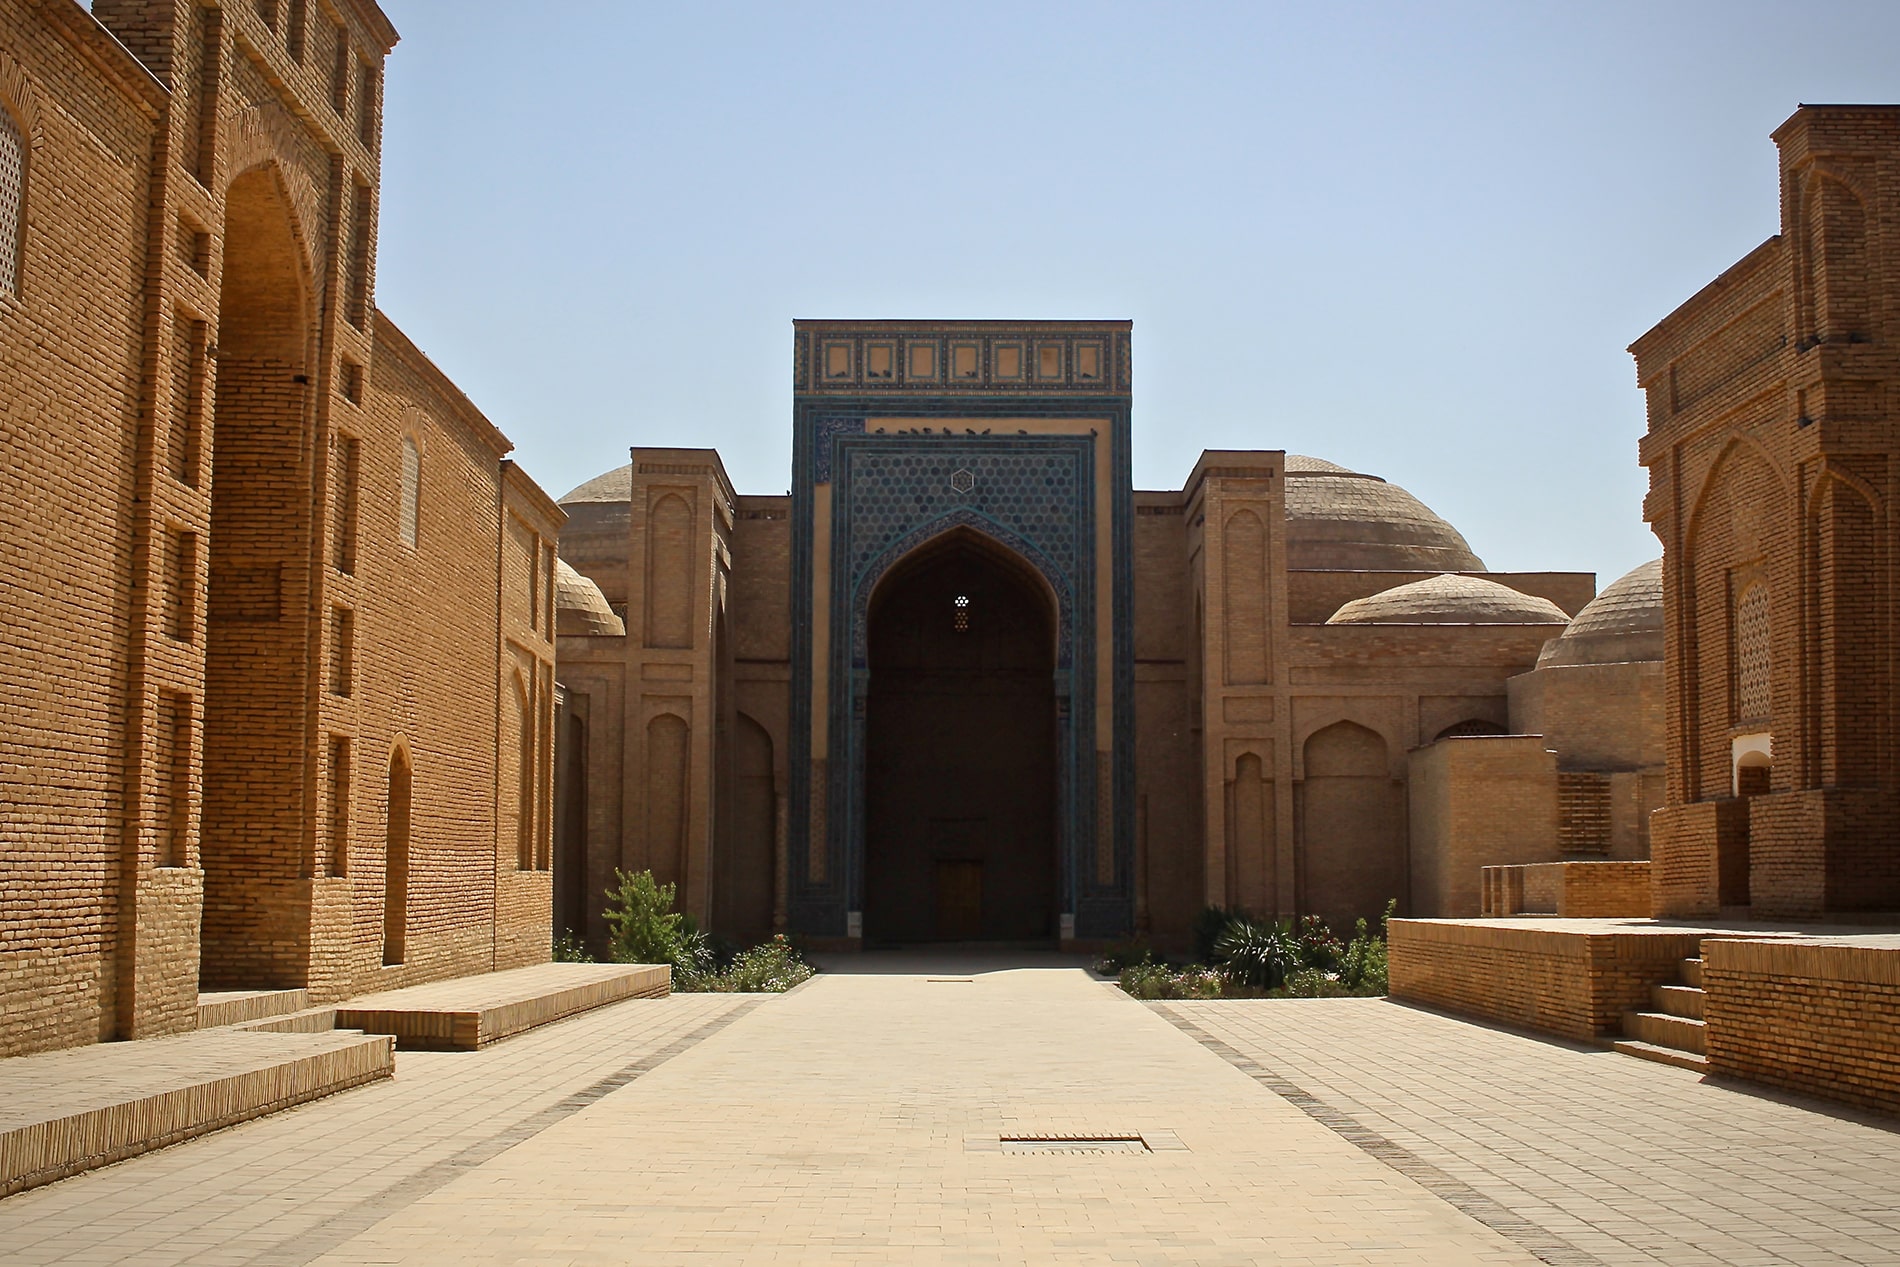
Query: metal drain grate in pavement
[(1073, 1144), (1076, 1142)]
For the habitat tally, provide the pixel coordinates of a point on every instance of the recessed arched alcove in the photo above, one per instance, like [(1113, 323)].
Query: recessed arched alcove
[(256, 636), (960, 748)]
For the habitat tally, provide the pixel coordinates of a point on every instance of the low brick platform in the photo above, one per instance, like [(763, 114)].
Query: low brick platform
[(66, 1111), (1809, 1008), (1573, 978), (471, 1012)]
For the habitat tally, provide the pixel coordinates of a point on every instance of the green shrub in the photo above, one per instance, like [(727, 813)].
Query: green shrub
[(1362, 968), (1208, 926), (646, 928), (771, 967), (1124, 954), (1159, 981), (1257, 953), (568, 948), (1318, 947), (1314, 983)]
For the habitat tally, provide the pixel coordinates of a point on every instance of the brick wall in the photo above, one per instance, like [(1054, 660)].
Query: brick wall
[(1817, 1017), (219, 649), (1772, 471), (70, 339), (1476, 802)]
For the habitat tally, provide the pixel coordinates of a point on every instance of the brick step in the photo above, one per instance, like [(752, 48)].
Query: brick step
[(1662, 1055), (311, 1020), (1691, 972), (1665, 1030), (1679, 1000), (234, 1007)]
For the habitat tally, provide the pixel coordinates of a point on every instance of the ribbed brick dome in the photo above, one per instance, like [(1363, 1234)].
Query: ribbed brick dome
[(580, 607), (1340, 519), (1623, 623), (1450, 600)]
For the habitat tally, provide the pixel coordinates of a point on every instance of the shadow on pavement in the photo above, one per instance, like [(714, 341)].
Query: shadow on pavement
[(947, 960)]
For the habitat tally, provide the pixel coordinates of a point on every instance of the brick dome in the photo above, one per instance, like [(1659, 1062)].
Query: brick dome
[(1339, 519), (615, 486), (580, 607), (1450, 600), (1623, 623)]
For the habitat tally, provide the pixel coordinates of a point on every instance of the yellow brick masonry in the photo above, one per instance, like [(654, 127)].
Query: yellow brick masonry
[(1820, 1017), (1572, 978), (205, 703)]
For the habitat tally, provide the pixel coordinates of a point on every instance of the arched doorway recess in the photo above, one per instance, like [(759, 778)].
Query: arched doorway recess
[(960, 753), (251, 838)]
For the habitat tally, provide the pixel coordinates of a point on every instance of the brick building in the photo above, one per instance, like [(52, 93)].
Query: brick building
[(966, 682), (1771, 451), (278, 646)]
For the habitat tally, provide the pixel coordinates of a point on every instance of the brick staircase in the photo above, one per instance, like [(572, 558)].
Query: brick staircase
[(1675, 1032)]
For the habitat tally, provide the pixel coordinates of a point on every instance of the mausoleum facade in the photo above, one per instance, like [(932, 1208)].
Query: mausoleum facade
[(966, 682)]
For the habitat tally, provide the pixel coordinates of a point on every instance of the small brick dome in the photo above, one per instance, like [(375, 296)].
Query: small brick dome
[(1339, 519), (1623, 623), (1450, 600), (580, 607)]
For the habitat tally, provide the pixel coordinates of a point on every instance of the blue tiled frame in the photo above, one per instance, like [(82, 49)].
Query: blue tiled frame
[(831, 445)]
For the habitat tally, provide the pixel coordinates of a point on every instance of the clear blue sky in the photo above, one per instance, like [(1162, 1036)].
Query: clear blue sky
[(1412, 238)]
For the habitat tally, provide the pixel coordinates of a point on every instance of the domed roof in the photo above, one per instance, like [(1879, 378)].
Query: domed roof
[(1623, 623), (1301, 464), (1340, 519), (580, 607), (615, 486), (1450, 600)]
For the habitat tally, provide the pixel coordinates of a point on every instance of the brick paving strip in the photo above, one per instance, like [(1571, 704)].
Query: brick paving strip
[(1540, 1241)]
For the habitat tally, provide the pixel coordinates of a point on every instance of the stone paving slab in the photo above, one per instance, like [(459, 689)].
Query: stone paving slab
[(852, 1121), (834, 1126), (281, 1190), (1614, 1160), (466, 1013), (67, 1111)]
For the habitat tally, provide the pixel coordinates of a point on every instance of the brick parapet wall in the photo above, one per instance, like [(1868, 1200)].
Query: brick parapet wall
[(1817, 1017), (1569, 890), (1572, 983)]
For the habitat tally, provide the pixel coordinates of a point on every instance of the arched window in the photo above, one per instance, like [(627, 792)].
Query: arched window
[(1751, 654), (411, 490), (524, 776), (396, 861), (12, 199)]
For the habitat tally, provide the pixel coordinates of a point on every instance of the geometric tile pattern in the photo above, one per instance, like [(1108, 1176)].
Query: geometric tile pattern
[(931, 463)]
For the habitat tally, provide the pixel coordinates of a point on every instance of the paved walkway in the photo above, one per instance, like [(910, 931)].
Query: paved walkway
[(862, 1119), (1602, 1157), (283, 1189)]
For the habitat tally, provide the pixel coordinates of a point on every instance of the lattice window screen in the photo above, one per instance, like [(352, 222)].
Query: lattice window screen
[(411, 490), (12, 199), (1751, 654)]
